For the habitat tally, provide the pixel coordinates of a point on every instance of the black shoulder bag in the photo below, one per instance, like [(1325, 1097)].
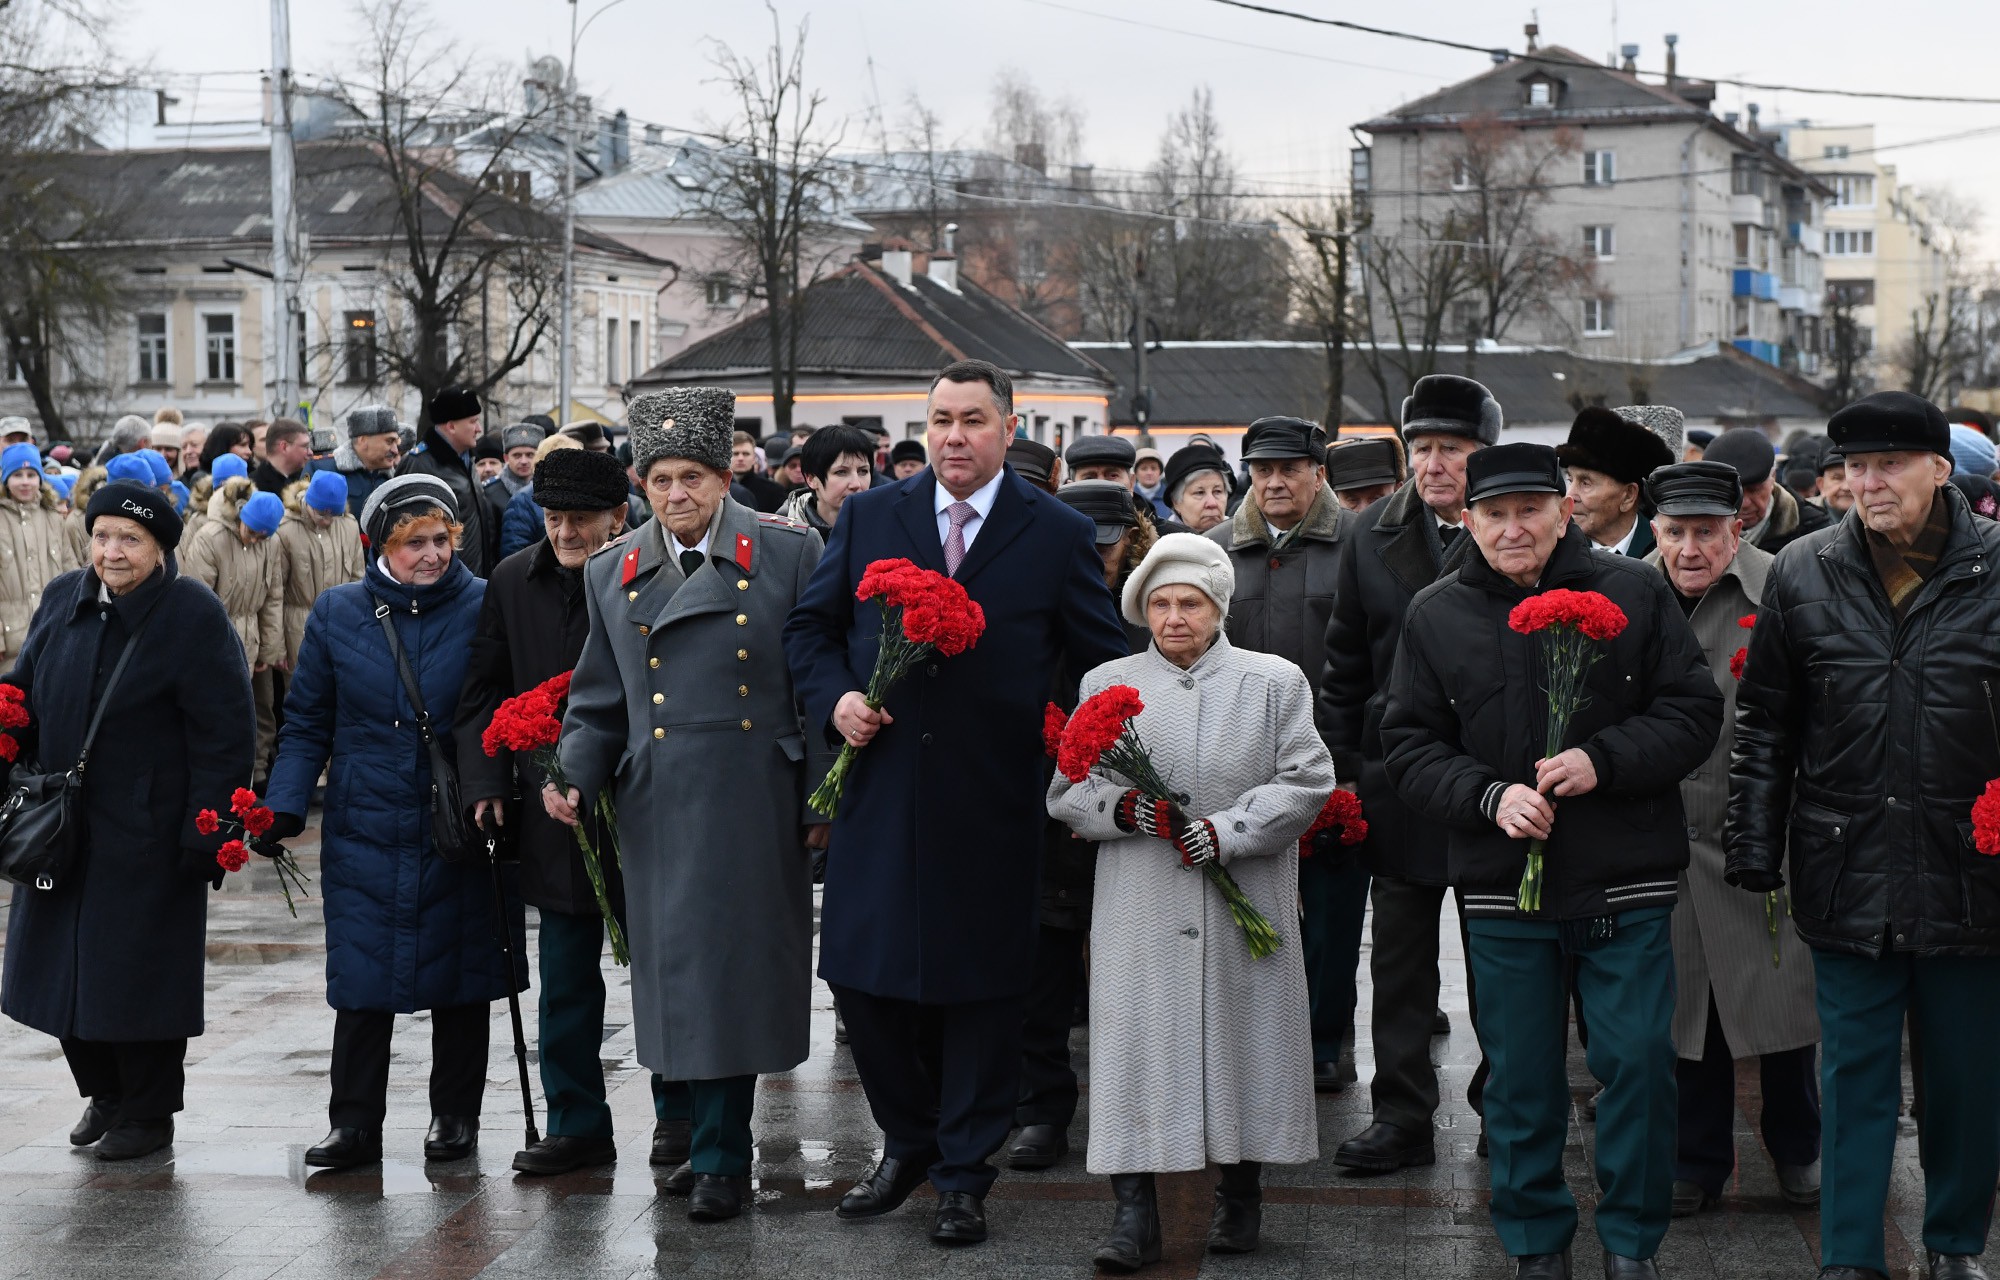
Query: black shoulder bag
[(451, 834), (41, 818)]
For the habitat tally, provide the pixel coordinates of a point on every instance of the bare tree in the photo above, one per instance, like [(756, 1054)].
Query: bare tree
[(1501, 174), (1029, 127), (1931, 359), (1321, 288), (1412, 279), (1847, 344)]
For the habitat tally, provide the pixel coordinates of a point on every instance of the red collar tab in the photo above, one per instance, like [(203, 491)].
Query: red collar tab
[(631, 570), (743, 549)]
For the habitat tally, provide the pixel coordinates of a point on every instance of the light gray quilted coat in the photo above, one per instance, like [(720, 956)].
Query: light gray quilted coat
[(1197, 1051)]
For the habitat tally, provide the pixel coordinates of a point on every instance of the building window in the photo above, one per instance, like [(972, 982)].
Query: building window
[(1852, 189), (720, 291), (1461, 174), (15, 374), (152, 346), (1600, 168), (1741, 327), (358, 349), (218, 337), (1743, 176), (637, 361), (1850, 244), (1541, 93), (1833, 152), (1465, 318), (1851, 293), (1598, 243), (1597, 317), (1357, 169), (1746, 242), (611, 337), (1034, 262)]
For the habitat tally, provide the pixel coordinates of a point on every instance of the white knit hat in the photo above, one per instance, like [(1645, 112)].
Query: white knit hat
[(1186, 559)]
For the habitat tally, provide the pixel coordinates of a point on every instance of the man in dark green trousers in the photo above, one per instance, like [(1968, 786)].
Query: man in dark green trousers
[(1868, 724), (1464, 733)]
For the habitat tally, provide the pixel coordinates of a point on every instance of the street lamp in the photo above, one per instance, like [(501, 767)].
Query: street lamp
[(568, 126)]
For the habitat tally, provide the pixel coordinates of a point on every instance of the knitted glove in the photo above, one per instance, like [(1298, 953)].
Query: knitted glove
[(1196, 842), (1155, 818), (1126, 816)]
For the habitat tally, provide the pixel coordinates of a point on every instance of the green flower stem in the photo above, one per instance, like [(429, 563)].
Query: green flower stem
[(1771, 923), (1567, 656), (552, 769), (1529, 897), (893, 660)]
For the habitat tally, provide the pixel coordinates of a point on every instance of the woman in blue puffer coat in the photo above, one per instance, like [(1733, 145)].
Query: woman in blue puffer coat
[(405, 930)]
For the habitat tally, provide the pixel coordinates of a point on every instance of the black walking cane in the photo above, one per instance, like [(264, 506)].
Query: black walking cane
[(513, 997)]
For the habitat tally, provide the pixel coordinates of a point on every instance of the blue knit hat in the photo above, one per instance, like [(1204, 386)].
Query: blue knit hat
[(263, 513), (227, 466), (327, 492), (156, 462), (1970, 449), (63, 485), (19, 457), (130, 466), (180, 492)]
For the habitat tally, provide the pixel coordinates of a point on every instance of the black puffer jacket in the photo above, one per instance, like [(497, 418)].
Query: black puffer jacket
[(1390, 557), (1466, 711), (1865, 741)]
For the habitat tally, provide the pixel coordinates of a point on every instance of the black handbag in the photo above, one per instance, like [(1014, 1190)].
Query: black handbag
[(452, 833), (41, 818)]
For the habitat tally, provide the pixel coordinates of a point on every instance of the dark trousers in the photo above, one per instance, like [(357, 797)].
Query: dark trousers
[(718, 1116), (571, 1035), (360, 1077), (1404, 967), (1862, 1004), (1333, 902), (940, 1079), (139, 1079), (1789, 1083), (1048, 1081), (1627, 983)]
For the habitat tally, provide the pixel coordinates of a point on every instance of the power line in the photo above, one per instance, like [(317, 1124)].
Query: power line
[(1240, 44)]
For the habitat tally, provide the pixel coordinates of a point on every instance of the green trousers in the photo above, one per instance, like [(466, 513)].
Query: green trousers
[(1956, 1002), (718, 1112), (1627, 988), (1333, 901), (571, 1032)]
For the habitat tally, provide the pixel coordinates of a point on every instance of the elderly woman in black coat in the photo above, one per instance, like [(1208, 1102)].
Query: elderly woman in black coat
[(109, 960)]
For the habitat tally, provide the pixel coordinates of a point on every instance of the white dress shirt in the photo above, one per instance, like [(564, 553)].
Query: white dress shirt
[(982, 505), (1621, 547)]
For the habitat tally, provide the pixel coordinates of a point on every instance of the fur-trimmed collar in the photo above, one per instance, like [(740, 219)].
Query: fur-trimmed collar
[(1322, 522)]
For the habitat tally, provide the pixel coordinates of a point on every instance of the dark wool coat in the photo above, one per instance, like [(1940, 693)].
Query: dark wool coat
[(115, 951), (1283, 598), (405, 930), (931, 874)]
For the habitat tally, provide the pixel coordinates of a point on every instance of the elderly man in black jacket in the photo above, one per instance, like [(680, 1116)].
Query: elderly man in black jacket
[(1866, 728), (1465, 732)]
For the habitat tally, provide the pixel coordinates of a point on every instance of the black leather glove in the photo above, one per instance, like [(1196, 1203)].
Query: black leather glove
[(200, 864), (1754, 879), (284, 826)]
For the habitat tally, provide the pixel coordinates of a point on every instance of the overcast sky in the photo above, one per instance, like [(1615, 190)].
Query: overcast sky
[(1287, 92)]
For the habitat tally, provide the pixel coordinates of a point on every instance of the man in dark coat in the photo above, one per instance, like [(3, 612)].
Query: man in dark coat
[(110, 959), (1400, 546), (1608, 458), (532, 626), (1865, 734), (517, 454), (1466, 736), (446, 452), (1285, 543), (927, 927), (1772, 517)]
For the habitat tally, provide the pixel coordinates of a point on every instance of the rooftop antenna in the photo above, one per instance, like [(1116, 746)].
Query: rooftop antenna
[(1533, 29)]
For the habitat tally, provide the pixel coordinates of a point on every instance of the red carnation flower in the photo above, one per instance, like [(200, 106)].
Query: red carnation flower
[(232, 856), (242, 800), (207, 822), (1986, 820), (13, 693), (1737, 661), (13, 715), (1095, 728), (258, 820), (1053, 720), (1747, 621), (530, 720), (1589, 612), (1342, 809), (10, 750)]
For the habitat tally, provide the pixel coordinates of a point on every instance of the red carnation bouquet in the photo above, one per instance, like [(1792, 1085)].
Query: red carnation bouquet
[(1986, 820), (531, 721), (923, 613), (13, 715), (1342, 812), (1741, 658), (1100, 734), (249, 816), (1573, 625)]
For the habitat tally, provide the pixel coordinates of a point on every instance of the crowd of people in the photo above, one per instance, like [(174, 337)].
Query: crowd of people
[(1752, 833)]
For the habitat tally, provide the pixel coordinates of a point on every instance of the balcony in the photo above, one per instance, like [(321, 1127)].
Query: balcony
[(1809, 237), (1765, 351), (1747, 208), (1750, 283), (1799, 298)]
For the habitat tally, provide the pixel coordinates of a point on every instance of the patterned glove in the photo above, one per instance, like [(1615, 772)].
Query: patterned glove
[(1155, 818), (1125, 816), (1196, 842)]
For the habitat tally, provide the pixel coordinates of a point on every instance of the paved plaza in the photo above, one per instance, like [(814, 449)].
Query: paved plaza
[(231, 1199)]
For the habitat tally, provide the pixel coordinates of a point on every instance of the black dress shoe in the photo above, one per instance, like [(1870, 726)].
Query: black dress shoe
[(1440, 1023), (961, 1218), (1850, 1273), (1619, 1267), (1238, 1217), (717, 1197), (1037, 1146), (671, 1142), (1542, 1266), (1799, 1184), (1944, 1266), (1690, 1198), (885, 1188), (346, 1148), (1134, 1241), (1590, 1106), (1332, 1077), (678, 1183), (97, 1120), (1384, 1148), (130, 1139), (1479, 1147), (560, 1153), (451, 1137)]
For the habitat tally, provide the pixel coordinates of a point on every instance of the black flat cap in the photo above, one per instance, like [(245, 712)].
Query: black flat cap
[(1446, 404), (1701, 488), (1036, 463), (153, 510), (1109, 506), (1831, 457), (1700, 437), (580, 480), (488, 446), (907, 451), (1748, 450), (1360, 464), (1101, 451), (1502, 469), (1602, 441), (1191, 460), (1890, 422), (1277, 438), (454, 404)]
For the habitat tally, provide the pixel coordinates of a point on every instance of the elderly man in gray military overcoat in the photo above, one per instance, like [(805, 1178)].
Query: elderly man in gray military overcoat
[(683, 705)]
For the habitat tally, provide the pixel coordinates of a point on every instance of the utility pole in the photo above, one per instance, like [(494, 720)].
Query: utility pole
[(566, 122), (1142, 395), (285, 264)]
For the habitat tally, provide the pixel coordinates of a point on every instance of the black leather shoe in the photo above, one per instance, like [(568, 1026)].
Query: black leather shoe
[(717, 1197), (1618, 1267), (1542, 1266), (346, 1148), (1799, 1184), (1384, 1148), (1037, 1146), (97, 1120), (680, 1182), (961, 1218), (130, 1139), (1944, 1266), (560, 1153), (1479, 1147), (1590, 1106), (1134, 1241), (1690, 1198), (1239, 1209), (672, 1140), (1332, 1077), (1850, 1273), (451, 1137), (1440, 1023), (885, 1188)]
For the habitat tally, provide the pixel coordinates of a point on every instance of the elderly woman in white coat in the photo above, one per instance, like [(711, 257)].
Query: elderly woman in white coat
[(1198, 1051)]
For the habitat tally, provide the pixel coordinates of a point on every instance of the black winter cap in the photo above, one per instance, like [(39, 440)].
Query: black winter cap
[(1701, 488), (1189, 461), (1036, 463), (1512, 468), (454, 404), (1101, 451), (580, 480), (1277, 438), (1747, 449), (1107, 503), (1890, 422), (134, 501), (1358, 464), (1446, 404), (1602, 441)]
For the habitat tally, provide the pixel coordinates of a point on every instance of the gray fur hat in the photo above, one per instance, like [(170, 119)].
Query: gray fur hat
[(1663, 420), (372, 420), (697, 423)]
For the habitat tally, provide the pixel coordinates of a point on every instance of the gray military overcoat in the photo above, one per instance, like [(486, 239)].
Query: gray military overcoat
[(1722, 941), (683, 702)]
